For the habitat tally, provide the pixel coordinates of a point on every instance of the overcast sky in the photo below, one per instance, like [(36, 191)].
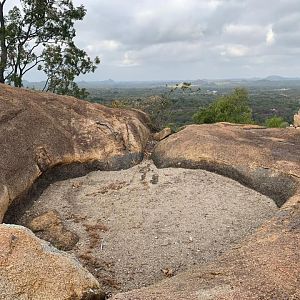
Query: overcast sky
[(190, 39)]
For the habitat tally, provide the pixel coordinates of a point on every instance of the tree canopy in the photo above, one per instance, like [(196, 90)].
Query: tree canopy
[(233, 108), (40, 34)]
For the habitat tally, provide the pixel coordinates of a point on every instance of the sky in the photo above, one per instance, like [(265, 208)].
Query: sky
[(191, 39)]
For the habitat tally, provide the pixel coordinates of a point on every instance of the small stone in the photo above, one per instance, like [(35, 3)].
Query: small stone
[(49, 226)]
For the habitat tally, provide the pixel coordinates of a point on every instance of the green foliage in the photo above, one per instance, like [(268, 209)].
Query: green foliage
[(155, 106), (181, 86), (39, 34), (233, 108), (276, 122), (265, 101)]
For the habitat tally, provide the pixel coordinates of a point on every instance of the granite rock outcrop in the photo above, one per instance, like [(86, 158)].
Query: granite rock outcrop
[(265, 265), (44, 137)]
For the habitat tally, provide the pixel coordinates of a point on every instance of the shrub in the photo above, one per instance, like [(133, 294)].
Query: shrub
[(233, 108), (276, 122)]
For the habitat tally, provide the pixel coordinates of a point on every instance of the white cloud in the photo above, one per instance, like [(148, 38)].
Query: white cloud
[(110, 45), (129, 60), (270, 36), (221, 36), (234, 50), (238, 29), (98, 46)]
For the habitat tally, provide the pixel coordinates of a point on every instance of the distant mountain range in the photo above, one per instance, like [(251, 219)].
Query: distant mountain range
[(280, 78), (273, 80)]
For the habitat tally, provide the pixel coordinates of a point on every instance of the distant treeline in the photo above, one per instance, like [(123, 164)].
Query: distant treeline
[(178, 107)]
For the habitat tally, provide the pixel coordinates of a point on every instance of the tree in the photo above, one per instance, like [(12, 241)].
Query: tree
[(40, 34), (158, 107), (276, 122), (155, 106), (233, 108)]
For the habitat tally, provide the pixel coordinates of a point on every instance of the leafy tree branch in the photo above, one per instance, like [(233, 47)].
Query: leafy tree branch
[(39, 34)]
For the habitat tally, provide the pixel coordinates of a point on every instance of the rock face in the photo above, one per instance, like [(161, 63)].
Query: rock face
[(43, 133), (297, 120), (39, 132), (266, 160), (31, 269), (266, 265), (162, 134)]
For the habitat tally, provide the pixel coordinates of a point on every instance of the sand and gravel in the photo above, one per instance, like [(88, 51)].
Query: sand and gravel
[(141, 225)]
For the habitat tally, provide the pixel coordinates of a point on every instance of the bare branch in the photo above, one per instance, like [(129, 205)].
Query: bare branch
[(2, 3), (34, 65)]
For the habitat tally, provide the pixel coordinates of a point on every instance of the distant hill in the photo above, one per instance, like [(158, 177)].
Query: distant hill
[(280, 78), (272, 81)]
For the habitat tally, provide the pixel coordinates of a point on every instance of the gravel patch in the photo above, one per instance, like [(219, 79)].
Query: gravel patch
[(141, 225)]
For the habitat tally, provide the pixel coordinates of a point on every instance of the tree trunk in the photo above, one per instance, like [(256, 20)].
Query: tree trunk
[(3, 48)]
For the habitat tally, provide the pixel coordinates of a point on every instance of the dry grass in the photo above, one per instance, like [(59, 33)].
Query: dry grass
[(94, 233), (114, 186)]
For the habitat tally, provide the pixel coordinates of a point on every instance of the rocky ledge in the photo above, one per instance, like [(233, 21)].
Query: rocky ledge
[(32, 269), (44, 136), (266, 265)]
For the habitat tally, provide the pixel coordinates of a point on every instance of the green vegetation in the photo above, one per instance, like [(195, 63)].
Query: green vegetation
[(158, 107), (155, 106), (233, 108), (265, 99), (38, 34), (276, 122)]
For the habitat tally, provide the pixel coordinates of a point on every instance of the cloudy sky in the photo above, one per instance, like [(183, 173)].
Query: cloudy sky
[(191, 39)]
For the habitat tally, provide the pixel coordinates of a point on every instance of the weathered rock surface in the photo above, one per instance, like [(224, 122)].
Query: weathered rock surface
[(266, 160), (159, 136), (31, 269), (50, 227), (138, 226), (297, 119), (40, 130), (266, 265)]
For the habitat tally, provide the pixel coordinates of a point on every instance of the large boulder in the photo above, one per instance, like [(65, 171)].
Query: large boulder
[(39, 131), (31, 269), (266, 160), (44, 137), (265, 265)]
